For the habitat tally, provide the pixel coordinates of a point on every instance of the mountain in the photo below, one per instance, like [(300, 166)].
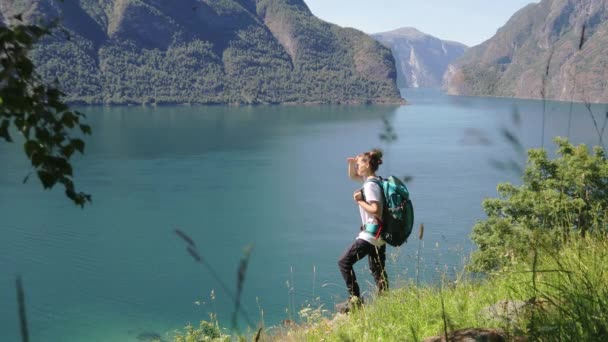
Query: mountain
[(555, 49), (421, 59), (205, 51)]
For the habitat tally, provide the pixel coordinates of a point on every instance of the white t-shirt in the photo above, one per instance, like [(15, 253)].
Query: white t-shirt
[(373, 193)]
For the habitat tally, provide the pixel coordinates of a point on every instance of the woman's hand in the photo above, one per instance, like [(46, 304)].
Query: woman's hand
[(357, 196), (352, 168)]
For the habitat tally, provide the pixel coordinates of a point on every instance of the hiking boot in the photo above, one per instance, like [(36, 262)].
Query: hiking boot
[(353, 303)]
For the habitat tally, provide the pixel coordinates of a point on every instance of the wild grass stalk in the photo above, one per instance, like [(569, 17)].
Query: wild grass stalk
[(418, 253), (314, 279), (291, 297), (543, 95), (234, 296), (261, 310), (600, 132), (239, 286), (577, 292), (444, 316), (21, 307)]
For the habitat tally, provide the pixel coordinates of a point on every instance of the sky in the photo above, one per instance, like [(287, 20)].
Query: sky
[(470, 22)]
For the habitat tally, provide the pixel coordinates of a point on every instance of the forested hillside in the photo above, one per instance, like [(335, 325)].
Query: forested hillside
[(205, 51)]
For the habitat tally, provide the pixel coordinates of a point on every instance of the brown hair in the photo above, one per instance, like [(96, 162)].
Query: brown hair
[(374, 157)]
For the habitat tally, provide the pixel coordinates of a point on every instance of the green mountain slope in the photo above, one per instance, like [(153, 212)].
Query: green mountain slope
[(206, 51)]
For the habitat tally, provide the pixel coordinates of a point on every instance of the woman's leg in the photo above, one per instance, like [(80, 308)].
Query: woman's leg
[(377, 261), (357, 251)]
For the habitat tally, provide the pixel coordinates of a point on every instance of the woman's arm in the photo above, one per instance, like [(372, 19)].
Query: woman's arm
[(372, 207)]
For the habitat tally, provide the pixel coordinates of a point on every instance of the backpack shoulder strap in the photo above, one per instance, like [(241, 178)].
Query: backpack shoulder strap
[(380, 226), (375, 180), (378, 181)]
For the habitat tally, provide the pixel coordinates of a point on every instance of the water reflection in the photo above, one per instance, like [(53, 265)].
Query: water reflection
[(126, 132)]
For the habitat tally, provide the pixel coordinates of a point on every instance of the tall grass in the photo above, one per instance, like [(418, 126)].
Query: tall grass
[(573, 293), (563, 296)]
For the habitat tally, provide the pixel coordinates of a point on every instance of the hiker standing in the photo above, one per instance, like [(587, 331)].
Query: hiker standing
[(368, 243)]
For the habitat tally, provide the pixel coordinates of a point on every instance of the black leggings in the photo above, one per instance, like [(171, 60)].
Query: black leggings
[(377, 259)]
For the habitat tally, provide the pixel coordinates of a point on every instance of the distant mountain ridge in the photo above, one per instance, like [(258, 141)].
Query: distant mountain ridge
[(421, 59), (536, 55), (206, 51)]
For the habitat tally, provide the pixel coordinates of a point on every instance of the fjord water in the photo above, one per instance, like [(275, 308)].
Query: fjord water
[(269, 177)]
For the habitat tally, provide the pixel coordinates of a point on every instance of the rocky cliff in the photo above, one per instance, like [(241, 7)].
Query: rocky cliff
[(205, 51), (421, 59), (556, 49)]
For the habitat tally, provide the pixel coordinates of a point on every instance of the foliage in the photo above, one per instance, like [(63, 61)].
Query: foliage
[(558, 197), (206, 331), (37, 111), (312, 314)]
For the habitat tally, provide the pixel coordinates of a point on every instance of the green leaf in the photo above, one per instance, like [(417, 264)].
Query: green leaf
[(54, 93), (31, 147), (58, 164), (43, 135), (86, 129), (37, 31), (58, 106), (67, 151), (58, 138), (68, 119), (39, 158), (66, 168), (24, 66), (47, 179), (19, 122), (4, 130), (22, 35), (78, 145)]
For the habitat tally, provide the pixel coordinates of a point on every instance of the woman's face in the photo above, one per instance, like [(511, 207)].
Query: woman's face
[(362, 166)]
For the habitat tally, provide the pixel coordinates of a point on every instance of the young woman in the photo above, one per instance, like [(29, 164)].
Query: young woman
[(369, 200)]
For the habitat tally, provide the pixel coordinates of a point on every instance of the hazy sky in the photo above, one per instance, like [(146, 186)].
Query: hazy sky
[(466, 21)]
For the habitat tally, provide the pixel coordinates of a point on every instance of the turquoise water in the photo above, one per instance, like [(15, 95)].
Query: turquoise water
[(273, 178)]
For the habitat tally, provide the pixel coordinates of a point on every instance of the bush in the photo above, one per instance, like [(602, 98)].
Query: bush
[(561, 196)]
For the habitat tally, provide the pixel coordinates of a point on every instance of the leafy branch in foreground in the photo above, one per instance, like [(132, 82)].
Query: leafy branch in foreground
[(36, 110)]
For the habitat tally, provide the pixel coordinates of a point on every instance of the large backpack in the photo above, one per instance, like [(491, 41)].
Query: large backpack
[(398, 214)]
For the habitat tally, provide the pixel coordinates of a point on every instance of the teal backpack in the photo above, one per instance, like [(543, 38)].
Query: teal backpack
[(398, 214)]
